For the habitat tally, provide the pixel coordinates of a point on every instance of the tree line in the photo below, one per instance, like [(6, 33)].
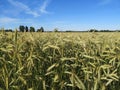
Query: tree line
[(23, 28), (31, 29), (94, 30)]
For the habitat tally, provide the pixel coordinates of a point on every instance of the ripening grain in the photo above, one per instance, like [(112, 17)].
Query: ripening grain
[(59, 61)]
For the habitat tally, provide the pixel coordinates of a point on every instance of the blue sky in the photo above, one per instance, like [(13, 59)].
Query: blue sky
[(61, 14)]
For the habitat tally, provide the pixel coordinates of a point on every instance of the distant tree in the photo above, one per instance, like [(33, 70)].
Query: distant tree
[(69, 31), (40, 30), (8, 30), (93, 30), (32, 29), (117, 30), (26, 28), (106, 31), (21, 28), (55, 30)]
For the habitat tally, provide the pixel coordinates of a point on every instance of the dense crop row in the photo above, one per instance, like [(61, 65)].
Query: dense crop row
[(59, 61)]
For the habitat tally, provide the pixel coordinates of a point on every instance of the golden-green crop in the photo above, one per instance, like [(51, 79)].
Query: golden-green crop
[(59, 61)]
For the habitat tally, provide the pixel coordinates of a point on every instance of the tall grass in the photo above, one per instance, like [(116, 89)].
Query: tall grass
[(59, 61)]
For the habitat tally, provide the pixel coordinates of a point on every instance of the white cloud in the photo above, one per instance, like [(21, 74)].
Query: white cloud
[(44, 6), (24, 7), (7, 20), (28, 10)]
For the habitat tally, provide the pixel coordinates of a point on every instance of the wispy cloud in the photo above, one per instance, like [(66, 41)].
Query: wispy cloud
[(44, 6), (24, 7), (7, 20), (28, 10)]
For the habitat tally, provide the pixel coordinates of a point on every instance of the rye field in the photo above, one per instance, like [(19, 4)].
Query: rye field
[(59, 61)]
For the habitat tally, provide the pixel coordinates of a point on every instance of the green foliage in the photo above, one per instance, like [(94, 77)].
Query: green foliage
[(59, 61), (32, 29), (21, 28), (93, 30), (26, 28), (8, 30), (40, 30), (55, 30)]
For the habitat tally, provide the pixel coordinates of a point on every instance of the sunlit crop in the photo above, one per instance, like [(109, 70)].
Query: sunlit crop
[(59, 61)]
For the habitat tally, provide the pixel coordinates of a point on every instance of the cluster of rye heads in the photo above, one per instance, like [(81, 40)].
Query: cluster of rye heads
[(59, 61)]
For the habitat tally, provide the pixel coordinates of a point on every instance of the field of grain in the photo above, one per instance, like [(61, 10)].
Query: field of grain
[(59, 61)]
